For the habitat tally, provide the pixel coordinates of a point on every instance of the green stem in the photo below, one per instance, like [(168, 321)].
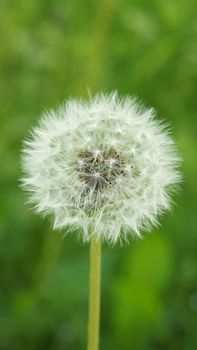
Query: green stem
[(94, 295)]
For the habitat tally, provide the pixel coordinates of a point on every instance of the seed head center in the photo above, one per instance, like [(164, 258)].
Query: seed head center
[(100, 169)]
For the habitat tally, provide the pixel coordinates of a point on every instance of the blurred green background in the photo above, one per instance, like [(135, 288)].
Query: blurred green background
[(51, 50)]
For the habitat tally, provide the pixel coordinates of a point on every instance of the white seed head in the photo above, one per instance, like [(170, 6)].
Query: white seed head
[(101, 167)]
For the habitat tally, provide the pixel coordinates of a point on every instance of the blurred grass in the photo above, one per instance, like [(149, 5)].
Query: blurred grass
[(50, 51)]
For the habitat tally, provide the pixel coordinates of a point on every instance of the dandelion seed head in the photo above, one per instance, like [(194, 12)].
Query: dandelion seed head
[(105, 163)]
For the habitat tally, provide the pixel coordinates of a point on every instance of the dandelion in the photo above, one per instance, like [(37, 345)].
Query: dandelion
[(104, 168)]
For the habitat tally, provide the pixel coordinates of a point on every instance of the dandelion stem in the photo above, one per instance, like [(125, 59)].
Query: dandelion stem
[(94, 295)]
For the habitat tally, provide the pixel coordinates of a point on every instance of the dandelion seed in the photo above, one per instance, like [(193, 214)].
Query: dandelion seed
[(105, 163)]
